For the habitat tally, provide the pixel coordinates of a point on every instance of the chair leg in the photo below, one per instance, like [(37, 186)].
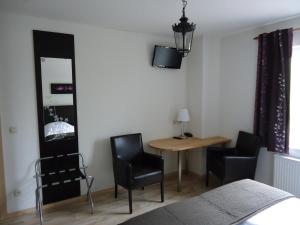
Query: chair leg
[(162, 190), (130, 200), (207, 177), (116, 190)]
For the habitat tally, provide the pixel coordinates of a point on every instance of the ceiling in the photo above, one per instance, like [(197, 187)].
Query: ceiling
[(157, 16)]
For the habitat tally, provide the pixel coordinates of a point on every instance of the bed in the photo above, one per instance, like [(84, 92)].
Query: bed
[(244, 202), (282, 213)]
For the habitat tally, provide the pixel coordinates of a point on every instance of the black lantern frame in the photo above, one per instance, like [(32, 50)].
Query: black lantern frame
[(183, 33)]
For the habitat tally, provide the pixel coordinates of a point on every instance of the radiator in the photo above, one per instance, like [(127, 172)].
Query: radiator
[(287, 174)]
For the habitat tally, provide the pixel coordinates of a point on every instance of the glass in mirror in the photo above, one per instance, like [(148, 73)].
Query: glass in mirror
[(57, 89)]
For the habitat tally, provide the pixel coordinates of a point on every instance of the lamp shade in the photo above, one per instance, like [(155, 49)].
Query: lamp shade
[(183, 115)]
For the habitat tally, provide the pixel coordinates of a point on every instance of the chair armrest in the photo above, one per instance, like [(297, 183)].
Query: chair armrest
[(240, 166), (239, 159), (220, 149), (214, 152), (122, 171), (153, 160)]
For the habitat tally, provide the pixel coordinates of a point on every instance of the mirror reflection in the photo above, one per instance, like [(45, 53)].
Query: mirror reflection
[(57, 88)]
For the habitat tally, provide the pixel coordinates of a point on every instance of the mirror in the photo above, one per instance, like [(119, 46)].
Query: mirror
[(54, 60), (57, 91)]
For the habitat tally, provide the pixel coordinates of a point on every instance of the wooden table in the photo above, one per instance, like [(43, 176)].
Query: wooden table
[(180, 145)]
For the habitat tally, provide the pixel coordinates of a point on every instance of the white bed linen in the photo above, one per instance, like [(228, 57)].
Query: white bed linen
[(58, 128), (286, 212)]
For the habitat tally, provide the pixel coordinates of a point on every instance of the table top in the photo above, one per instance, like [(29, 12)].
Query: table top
[(172, 144)]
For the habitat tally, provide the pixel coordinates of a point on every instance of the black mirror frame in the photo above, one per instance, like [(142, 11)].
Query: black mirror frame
[(55, 45)]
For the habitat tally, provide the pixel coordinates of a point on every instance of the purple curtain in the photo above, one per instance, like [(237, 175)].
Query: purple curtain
[(271, 119)]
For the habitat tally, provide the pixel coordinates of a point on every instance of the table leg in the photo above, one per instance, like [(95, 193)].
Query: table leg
[(179, 164)]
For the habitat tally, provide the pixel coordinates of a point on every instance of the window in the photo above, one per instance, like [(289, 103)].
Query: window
[(295, 99)]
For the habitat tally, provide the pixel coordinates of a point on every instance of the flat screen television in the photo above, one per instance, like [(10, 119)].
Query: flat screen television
[(166, 57)]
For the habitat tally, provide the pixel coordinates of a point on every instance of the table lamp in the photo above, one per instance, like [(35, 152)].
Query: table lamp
[(183, 116)]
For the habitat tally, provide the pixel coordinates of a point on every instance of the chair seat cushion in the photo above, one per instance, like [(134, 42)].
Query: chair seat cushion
[(144, 172)]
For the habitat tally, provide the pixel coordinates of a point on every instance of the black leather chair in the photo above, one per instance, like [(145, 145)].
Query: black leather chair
[(134, 168), (232, 164)]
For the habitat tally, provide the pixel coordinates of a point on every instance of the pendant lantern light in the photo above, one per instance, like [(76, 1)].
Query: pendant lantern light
[(183, 33)]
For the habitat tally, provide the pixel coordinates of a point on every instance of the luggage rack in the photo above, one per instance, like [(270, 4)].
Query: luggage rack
[(59, 175)]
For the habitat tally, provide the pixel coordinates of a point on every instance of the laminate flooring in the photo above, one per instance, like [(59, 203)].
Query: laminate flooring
[(111, 211)]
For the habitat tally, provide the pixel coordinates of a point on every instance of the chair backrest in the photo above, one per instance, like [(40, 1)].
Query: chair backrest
[(247, 144), (127, 147)]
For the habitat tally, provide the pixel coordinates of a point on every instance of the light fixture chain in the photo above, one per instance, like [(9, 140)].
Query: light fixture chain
[(184, 3)]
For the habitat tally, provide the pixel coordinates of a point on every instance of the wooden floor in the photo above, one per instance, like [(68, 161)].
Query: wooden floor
[(111, 211)]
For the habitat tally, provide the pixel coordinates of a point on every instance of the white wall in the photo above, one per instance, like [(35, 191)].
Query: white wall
[(194, 96), (203, 82), (118, 92), (238, 77), (195, 89), (211, 87)]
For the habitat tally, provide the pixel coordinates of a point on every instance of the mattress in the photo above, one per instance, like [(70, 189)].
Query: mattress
[(285, 212)]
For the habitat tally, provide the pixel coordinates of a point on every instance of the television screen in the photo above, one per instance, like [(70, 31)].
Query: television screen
[(166, 57)]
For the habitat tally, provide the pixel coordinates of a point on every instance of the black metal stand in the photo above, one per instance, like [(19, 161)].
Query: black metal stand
[(61, 176)]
